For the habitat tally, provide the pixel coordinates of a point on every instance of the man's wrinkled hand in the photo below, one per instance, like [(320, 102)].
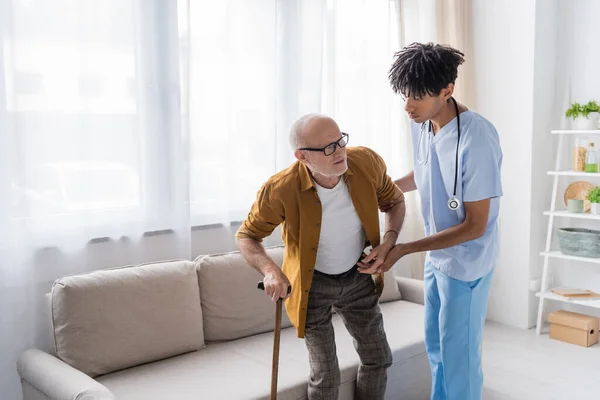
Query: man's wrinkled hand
[(392, 257), (371, 263), (276, 285)]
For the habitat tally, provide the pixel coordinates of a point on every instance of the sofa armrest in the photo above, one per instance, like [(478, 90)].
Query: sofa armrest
[(58, 380), (411, 289)]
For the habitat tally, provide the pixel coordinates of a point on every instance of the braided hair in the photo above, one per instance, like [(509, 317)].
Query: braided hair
[(421, 69)]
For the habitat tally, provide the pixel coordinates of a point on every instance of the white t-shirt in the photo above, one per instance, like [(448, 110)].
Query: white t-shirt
[(342, 237)]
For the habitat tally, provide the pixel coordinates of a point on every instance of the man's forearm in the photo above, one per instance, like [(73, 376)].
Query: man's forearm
[(394, 219), (452, 236), (255, 254)]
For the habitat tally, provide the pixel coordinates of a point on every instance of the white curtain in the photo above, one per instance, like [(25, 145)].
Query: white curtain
[(127, 125), (268, 63)]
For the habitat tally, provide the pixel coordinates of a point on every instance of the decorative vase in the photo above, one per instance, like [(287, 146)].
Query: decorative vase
[(595, 208), (586, 124)]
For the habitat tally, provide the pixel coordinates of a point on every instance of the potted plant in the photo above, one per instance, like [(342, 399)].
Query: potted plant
[(594, 197), (586, 116)]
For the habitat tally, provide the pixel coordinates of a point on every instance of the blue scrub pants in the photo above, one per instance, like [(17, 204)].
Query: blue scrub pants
[(455, 312)]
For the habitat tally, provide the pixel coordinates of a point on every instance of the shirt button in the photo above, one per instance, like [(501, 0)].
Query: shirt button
[(314, 249), (310, 270), (318, 224)]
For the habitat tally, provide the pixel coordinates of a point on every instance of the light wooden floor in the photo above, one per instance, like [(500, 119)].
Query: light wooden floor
[(519, 365)]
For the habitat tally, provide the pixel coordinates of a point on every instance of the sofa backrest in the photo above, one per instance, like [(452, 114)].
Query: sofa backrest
[(232, 305), (113, 319)]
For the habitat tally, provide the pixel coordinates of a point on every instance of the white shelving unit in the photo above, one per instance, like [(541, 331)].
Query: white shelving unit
[(548, 254)]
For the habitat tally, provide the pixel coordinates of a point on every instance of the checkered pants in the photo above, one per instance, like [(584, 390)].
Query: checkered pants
[(352, 295)]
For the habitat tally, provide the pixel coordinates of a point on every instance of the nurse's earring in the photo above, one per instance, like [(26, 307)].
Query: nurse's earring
[(453, 204)]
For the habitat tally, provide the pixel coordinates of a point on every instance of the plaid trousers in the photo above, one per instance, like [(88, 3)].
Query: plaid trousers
[(352, 295)]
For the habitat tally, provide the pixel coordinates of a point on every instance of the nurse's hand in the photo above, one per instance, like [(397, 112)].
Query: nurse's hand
[(396, 253), (375, 259), (386, 207)]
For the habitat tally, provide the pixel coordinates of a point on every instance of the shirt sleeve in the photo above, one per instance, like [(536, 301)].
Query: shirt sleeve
[(265, 215), (481, 178)]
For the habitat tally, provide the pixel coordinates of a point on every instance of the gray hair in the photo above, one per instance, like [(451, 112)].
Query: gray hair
[(298, 127)]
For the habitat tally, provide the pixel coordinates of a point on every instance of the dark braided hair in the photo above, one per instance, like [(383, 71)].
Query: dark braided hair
[(422, 69)]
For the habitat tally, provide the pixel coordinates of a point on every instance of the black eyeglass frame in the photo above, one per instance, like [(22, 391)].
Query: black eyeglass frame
[(334, 144)]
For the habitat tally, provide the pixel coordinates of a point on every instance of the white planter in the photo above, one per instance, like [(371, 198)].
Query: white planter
[(586, 124), (596, 208)]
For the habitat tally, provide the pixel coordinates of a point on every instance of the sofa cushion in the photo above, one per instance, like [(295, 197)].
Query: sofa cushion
[(241, 369), (113, 319), (391, 292), (232, 305)]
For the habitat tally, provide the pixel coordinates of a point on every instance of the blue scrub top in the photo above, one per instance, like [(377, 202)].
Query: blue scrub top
[(479, 165)]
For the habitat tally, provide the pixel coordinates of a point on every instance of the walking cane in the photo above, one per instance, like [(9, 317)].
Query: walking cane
[(277, 335)]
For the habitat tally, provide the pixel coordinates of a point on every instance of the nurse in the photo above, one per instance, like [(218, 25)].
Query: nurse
[(457, 166)]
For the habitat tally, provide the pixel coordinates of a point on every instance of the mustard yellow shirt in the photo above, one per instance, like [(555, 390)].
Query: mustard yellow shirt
[(290, 198)]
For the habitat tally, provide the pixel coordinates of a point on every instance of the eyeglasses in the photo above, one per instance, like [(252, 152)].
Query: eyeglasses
[(331, 147)]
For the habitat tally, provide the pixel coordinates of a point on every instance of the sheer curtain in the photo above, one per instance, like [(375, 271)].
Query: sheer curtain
[(271, 62), (93, 152), (125, 124)]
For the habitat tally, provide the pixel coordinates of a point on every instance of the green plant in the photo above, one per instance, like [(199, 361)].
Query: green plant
[(577, 109), (574, 111), (594, 195), (590, 107)]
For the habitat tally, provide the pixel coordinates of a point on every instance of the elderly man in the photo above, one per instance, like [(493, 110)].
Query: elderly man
[(328, 203)]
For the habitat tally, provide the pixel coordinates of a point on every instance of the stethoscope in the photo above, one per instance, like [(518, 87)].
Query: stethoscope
[(453, 203)]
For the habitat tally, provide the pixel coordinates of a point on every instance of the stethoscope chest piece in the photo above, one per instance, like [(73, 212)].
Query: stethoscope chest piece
[(453, 204)]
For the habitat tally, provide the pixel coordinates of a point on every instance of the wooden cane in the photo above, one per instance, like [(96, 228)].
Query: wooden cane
[(276, 341)]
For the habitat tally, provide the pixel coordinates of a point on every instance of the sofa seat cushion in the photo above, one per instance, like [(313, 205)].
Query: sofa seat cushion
[(241, 369), (113, 319)]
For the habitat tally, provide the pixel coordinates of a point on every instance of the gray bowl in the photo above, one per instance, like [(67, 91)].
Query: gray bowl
[(579, 242)]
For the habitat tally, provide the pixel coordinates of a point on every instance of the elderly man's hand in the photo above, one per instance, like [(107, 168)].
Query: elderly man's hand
[(376, 257), (380, 266), (276, 284)]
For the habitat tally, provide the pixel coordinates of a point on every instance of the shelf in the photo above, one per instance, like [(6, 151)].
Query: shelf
[(558, 254), (552, 296), (563, 213), (575, 132), (573, 173), (567, 214)]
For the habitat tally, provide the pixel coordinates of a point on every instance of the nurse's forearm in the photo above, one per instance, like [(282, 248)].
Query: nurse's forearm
[(442, 240), (407, 182)]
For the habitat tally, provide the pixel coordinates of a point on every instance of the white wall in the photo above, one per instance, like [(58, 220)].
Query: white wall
[(545, 118), (532, 57), (504, 68)]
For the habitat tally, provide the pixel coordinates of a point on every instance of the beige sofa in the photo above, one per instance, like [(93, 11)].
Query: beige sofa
[(199, 330)]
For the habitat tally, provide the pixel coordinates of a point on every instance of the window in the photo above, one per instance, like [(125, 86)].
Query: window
[(84, 118), (257, 65), (121, 116)]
